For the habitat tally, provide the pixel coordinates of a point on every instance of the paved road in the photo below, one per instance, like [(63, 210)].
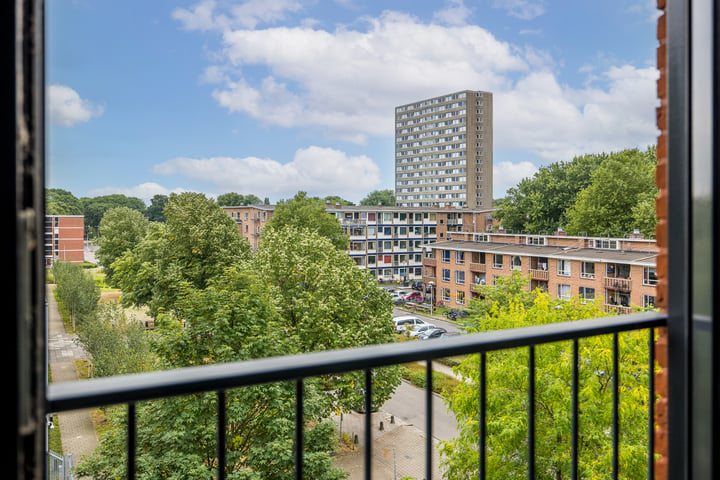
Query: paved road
[(408, 404)]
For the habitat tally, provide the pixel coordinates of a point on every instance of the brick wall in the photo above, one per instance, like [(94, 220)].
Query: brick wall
[(661, 443)]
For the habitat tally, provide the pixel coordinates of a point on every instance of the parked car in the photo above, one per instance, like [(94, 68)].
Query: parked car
[(432, 333), (456, 313), (413, 297), (417, 285), (418, 329), (406, 322)]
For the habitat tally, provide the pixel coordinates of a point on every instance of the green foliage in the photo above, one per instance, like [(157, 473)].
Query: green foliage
[(620, 197), (61, 202), (196, 244), (307, 213), (77, 291), (326, 302), (121, 229), (335, 199), (155, 211), (233, 199), (507, 377), (539, 203), (117, 344), (379, 197), (94, 208)]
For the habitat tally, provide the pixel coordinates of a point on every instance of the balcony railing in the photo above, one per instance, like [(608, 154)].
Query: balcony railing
[(537, 274), (477, 267), (221, 377), (617, 283), (429, 262)]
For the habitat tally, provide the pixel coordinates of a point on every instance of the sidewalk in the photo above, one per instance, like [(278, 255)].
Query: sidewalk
[(76, 428), (397, 451)]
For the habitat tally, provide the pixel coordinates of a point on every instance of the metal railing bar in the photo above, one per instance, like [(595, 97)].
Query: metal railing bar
[(482, 454), (575, 408), (615, 412), (531, 413), (183, 381), (131, 441), (651, 405), (428, 418), (368, 424), (221, 417), (299, 428)]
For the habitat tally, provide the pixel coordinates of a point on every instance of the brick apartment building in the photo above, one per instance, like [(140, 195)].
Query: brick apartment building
[(620, 270), (64, 239), (387, 241)]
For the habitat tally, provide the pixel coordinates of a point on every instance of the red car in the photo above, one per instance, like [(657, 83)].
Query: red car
[(413, 297)]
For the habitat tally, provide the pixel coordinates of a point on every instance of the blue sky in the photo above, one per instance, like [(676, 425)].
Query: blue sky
[(274, 96)]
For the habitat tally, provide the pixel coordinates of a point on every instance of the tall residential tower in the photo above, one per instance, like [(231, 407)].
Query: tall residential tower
[(444, 151)]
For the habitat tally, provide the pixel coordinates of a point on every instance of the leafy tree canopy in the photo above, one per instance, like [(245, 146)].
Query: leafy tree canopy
[(379, 197), (620, 197), (304, 212), (155, 211), (506, 402), (121, 229), (62, 202), (233, 199), (94, 208)]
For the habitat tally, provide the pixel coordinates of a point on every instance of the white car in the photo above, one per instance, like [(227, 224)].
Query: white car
[(406, 322), (418, 329)]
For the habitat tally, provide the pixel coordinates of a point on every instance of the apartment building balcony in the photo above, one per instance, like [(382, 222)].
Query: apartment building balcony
[(618, 283), (618, 309), (429, 262), (539, 274), (477, 267)]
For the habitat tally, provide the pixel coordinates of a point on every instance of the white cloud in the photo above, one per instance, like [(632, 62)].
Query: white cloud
[(344, 83), (523, 9), (206, 15), (509, 174), (144, 191), (456, 13), (316, 170), (66, 108)]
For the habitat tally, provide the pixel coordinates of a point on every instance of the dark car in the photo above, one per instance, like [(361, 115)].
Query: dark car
[(434, 333), (456, 313)]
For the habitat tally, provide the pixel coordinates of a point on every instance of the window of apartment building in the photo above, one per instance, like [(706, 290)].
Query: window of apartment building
[(387, 245), (648, 301), (649, 277), (516, 262), (563, 268), (587, 294), (460, 277), (495, 280), (246, 215), (460, 297), (371, 231), (446, 275), (564, 292), (587, 270), (535, 240), (387, 217), (497, 261), (371, 259), (445, 256), (445, 294), (459, 257)]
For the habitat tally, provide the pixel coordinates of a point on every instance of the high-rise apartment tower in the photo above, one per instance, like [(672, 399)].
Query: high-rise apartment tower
[(444, 151)]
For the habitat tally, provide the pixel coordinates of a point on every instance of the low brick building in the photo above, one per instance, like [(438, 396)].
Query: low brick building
[(64, 239)]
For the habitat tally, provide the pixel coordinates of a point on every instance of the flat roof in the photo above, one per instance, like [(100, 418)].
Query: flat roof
[(633, 257)]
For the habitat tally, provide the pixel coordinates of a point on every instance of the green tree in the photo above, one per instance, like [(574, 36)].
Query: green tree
[(94, 208), (121, 229), (155, 211), (197, 243), (621, 190), (379, 197), (307, 213), (233, 199), (76, 290), (61, 202), (233, 318), (507, 377), (336, 199), (117, 344), (540, 203)]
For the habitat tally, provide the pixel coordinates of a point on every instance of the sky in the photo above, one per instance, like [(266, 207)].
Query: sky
[(271, 97)]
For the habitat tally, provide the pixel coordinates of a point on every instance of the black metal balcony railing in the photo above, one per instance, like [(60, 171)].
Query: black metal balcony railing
[(131, 389)]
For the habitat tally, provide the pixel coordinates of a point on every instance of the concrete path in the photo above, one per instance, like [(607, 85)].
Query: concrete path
[(76, 428)]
